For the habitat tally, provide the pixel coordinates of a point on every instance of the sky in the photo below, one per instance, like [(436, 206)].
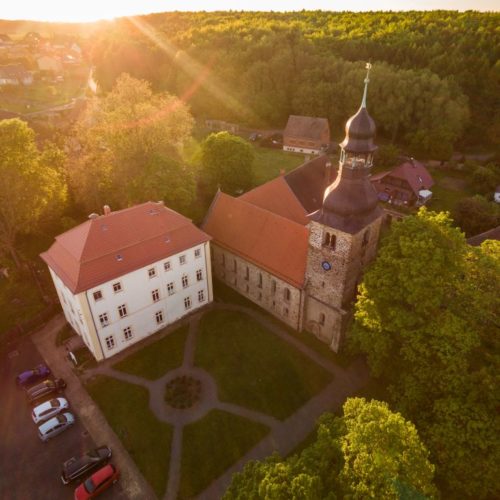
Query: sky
[(91, 10)]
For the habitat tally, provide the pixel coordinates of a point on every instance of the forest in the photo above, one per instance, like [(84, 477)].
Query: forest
[(434, 83)]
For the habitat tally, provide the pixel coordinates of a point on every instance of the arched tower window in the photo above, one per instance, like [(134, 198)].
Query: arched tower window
[(330, 240), (366, 237)]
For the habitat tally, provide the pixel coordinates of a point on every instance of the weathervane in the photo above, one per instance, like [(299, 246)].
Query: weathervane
[(367, 79)]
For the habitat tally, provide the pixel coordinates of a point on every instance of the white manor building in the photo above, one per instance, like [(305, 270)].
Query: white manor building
[(124, 275)]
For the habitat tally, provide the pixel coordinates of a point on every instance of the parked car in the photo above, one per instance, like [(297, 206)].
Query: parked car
[(46, 388), (272, 141), (49, 409), (97, 482), (55, 426), (76, 467), (30, 376), (255, 136)]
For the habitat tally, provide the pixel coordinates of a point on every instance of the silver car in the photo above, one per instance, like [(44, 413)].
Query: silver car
[(55, 426), (49, 409)]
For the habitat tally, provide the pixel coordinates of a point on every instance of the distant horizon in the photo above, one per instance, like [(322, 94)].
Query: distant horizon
[(59, 11)]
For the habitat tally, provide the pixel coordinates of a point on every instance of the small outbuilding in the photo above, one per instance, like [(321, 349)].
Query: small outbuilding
[(306, 134)]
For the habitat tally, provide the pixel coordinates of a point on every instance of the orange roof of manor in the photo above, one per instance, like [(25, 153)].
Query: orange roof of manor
[(272, 242), (111, 245), (277, 197)]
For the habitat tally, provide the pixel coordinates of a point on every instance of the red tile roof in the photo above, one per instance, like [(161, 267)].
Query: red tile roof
[(277, 197), (118, 243), (272, 242), (411, 171)]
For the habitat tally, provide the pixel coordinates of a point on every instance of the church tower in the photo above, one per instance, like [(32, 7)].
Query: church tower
[(343, 233)]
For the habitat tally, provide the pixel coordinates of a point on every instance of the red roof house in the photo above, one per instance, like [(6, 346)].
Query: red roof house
[(407, 184)]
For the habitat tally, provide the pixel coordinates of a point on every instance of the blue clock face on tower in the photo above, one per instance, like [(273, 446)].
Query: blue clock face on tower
[(326, 265)]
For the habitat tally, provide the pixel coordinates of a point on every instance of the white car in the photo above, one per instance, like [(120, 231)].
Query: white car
[(49, 409), (55, 426)]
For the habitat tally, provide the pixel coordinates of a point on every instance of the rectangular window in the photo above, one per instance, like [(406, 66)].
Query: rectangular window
[(159, 317), (167, 266), (260, 280), (187, 303), (170, 288), (117, 287), (223, 259), (199, 275), (197, 253), (287, 294), (110, 342), (285, 311), (127, 333), (201, 296), (156, 295), (247, 273), (182, 260), (235, 265), (185, 281), (122, 310), (152, 272), (103, 318), (273, 287), (97, 295)]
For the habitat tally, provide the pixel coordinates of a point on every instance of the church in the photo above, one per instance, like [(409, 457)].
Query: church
[(297, 245)]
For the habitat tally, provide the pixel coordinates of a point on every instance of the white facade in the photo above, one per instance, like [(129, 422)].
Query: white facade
[(114, 315), (308, 151)]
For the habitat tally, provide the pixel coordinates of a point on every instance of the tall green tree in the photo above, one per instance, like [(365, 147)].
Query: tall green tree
[(427, 318), (32, 187), (369, 452), (227, 162), (132, 141), (476, 214)]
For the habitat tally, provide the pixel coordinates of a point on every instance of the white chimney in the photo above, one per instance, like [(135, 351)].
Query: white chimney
[(107, 210), (93, 216)]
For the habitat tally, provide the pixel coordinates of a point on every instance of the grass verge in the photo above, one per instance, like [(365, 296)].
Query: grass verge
[(257, 369), (213, 444), (146, 439), (154, 360)]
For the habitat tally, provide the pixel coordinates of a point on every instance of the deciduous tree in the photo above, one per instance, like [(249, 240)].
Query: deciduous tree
[(227, 162), (427, 318), (132, 141), (31, 188)]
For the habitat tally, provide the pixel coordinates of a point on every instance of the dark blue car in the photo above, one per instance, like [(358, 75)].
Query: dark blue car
[(30, 376)]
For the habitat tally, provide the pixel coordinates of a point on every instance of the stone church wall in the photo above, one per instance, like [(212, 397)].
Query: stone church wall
[(258, 285)]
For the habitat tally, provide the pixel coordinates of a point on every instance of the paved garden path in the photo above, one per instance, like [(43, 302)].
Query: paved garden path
[(283, 437)]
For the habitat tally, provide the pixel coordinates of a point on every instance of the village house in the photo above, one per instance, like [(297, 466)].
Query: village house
[(123, 275), (306, 134), (408, 184), (297, 245), (49, 64), (15, 74)]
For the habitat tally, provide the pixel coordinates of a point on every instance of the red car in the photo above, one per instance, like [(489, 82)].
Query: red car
[(97, 482)]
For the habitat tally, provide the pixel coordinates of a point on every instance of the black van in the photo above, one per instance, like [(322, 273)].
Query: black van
[(76, 467), (46, 388)]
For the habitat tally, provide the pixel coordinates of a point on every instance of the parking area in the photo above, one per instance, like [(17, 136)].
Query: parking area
[(29, 468)]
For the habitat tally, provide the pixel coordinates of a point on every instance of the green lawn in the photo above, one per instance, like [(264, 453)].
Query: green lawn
[(227, 294), (146, 439), (254, 368), (449, 188), (154, 360), (213, 444), (268, 163)]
